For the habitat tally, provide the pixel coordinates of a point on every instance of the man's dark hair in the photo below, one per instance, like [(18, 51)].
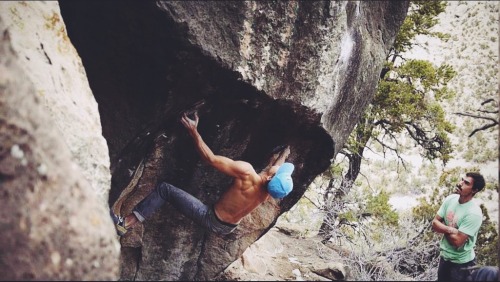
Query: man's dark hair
[(478, 180)]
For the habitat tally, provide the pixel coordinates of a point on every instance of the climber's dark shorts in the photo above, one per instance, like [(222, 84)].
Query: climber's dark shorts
[(186, 204)]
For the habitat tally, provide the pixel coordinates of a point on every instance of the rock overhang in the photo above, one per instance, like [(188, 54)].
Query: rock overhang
[(270, 73)]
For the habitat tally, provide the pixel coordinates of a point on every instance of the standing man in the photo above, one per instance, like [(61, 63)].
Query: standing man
[(248, 190), (459, 219)]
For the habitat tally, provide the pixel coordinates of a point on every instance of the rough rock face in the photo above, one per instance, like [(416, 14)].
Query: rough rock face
[(55, 222), (49, 60), (323, 55), (269, 73)]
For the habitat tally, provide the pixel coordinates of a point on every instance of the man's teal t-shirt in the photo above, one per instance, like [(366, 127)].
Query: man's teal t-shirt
[(467, 218)]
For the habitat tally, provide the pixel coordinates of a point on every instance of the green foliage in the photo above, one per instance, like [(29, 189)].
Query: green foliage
[(378, 206), (408, 85), (477, 152), (336, 170), (428, 207), (407, 100), (493, 186), (420, 19), (427, 210), (408, 94), (487, 241), (348, 216)]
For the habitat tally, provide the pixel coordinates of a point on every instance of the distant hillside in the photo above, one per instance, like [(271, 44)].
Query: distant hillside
[(472, 51)]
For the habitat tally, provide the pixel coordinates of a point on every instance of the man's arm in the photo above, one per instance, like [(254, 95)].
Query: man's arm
[(221, 163), (454, 237)]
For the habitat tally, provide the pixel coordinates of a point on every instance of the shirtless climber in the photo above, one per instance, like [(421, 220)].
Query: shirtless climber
[(248, 190)]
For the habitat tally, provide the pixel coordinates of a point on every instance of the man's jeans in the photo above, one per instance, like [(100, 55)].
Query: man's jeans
[(449, 271), (485, 273), (184, 203)]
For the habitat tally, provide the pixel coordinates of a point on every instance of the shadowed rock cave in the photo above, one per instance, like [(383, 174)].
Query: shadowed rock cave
[(144, 73)]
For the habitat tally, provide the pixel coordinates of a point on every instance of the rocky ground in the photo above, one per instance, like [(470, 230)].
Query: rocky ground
[(284, 255)]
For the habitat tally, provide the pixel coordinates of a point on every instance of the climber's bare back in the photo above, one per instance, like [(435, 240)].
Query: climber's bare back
[(243, 196)]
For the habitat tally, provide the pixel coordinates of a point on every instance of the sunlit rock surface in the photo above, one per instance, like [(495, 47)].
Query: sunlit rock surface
[(54, 164)]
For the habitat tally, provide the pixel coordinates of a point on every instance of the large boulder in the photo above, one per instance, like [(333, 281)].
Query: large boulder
[(48, 59), (54, 167), (269, 73)]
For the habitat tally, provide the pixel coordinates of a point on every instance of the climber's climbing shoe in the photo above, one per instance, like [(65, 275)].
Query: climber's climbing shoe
[(119, 224)]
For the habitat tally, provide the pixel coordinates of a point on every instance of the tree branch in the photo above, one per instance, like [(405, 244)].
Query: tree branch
[(493, 121), (477, 116), (482, 128)]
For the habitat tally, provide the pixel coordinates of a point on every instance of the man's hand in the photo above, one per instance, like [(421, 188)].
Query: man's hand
[(189, 124), (278, 149), (452, 230), (279, 156), (286, 152)]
